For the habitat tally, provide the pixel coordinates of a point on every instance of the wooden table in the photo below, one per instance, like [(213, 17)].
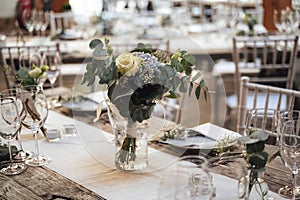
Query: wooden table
[(42, 183)]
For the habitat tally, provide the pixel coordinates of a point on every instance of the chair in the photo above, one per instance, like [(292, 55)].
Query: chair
[(268, 60), (60, 22), (13, 57), (123, 47), (254, 95)]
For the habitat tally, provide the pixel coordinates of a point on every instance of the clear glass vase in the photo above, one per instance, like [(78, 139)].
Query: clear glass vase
[(253, 186), (131, 147)]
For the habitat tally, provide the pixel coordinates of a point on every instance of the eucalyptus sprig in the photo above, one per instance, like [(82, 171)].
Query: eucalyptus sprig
[(256, 157)]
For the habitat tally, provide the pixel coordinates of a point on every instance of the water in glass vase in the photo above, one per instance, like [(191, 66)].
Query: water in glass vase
[(131, 148)]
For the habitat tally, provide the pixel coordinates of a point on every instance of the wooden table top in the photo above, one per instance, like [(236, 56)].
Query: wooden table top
[(43, 183)]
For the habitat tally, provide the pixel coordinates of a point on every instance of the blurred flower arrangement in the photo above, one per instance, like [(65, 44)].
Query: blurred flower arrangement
[(136, 80), (29, 76)]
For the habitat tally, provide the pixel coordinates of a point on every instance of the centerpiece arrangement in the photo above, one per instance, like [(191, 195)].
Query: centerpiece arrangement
[(28, 76), (136, 81)]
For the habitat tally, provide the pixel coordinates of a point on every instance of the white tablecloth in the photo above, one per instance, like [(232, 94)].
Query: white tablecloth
[(88, 160)]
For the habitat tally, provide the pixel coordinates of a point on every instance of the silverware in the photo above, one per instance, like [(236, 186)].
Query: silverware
[(224, 158)]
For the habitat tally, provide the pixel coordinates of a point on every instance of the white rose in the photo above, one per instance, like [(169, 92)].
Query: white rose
[(128, 64)]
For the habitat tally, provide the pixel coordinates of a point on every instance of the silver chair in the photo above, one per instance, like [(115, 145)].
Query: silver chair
[(14, 57), (268, 60), (254, 95), (60, 22)]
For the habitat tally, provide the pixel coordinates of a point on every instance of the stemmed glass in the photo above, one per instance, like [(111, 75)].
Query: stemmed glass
[(290, 149), (263, 119), (10, 125), (285, 116), (14, 94), (28, 18), (45, 20), (36, 107), (53, 60)]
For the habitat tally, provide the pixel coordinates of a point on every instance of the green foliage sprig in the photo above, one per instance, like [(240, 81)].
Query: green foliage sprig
[(255, 156)]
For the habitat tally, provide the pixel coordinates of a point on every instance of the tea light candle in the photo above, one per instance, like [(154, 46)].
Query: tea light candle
[(69, 130), (53, 135)]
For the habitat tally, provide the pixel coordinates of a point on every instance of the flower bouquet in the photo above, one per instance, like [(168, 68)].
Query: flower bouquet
[(135, 82), (29, 76)]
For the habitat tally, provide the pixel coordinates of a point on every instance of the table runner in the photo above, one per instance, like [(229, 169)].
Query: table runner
[(88, 160)]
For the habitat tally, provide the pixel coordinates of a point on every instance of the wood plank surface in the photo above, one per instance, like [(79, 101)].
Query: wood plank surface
[(42, 183)]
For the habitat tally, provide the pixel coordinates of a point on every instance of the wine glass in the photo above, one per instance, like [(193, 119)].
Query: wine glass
[(277, 19), (10, 125), (53, 60), (35, 104), (263, 119), (14, 94), (285, 116), (28, 18), (45, 20), (290, 149)]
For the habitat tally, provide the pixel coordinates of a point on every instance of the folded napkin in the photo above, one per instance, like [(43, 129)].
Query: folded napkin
[(4, 153)]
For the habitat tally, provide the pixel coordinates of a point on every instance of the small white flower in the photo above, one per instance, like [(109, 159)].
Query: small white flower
[(35, 73)]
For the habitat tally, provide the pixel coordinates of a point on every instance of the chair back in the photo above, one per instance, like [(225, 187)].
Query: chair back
[(14, 57), (123, 47), (274, 98), (266, 60), (60, 22)]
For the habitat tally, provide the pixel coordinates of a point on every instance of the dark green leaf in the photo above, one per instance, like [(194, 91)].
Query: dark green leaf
[(198, 91), (255, 146), (260, 135), (183, 84), (190, 59), (191, 88), (205, 94), (96, 42), (172, 95), (188, 70)]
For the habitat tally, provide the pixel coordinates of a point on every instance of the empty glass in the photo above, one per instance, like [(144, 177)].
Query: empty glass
[(290, 148), (10, 125), (28, 18), (14, 94), (192, 178), (36, 107), (285, 116), (53, 60), (263, 119)]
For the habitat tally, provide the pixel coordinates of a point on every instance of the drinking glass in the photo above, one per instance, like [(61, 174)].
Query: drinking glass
[(277, 21), (53, 60), (35, 104), (28, 18), (192, 178), (10, 125), (290, 149), (45, 20), (14, 94), (265, 120), (285, 116)]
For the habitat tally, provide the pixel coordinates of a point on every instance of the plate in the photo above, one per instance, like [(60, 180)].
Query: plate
[(197, 142), (205, 136), (81, 103)]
